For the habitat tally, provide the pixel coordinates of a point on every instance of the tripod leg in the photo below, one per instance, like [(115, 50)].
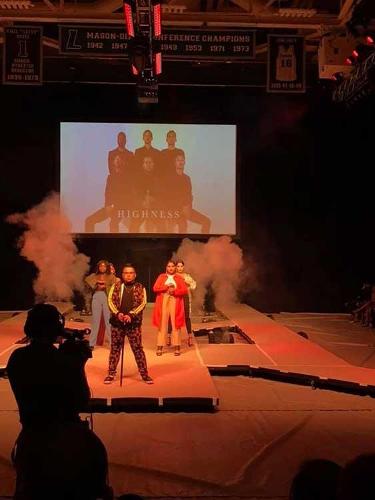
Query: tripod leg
[(122, 359)]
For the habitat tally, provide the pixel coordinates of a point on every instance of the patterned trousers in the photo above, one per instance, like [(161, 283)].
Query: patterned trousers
[(134, 335)]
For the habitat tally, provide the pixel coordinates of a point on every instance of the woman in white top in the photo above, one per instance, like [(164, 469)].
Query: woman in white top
[(191, 285)]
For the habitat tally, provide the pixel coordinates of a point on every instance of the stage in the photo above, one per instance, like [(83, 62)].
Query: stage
[(217, 436), (267, 349), (182, 383)]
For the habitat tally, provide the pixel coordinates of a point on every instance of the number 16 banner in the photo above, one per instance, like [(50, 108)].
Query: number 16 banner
[(286, 64)]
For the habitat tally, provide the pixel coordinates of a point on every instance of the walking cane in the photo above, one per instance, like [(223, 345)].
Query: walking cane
[(122, 359)]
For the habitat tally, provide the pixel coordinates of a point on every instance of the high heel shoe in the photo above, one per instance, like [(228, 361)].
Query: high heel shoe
[(177, 351), (159, 351)]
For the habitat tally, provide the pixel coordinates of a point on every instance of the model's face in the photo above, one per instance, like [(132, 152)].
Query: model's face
[(112, 269), (128, 274), (180, 165), (171, 268), (121, 140), (180, 267), (171, 139), (102, 267), (147, 137), (148, 164)]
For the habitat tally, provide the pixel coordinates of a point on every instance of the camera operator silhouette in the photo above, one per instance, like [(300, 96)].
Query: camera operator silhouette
[(56, 455)]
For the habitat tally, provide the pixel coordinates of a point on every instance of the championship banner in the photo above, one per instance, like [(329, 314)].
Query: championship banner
[(22, 56), (286, 64), (175, 44), (93, 40), (208, 44)]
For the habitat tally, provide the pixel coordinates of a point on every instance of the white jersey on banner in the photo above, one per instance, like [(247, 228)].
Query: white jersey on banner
[(286, 64)]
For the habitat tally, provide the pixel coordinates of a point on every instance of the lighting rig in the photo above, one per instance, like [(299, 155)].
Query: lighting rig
[(143, 26), (361, 81)]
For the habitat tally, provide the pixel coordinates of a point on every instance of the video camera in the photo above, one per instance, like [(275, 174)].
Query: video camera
[(73, 341), (75, 333)]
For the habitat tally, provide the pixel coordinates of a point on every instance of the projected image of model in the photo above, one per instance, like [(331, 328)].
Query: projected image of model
[(132, 178)]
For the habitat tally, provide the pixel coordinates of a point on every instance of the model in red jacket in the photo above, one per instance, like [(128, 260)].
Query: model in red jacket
[(170, 289)]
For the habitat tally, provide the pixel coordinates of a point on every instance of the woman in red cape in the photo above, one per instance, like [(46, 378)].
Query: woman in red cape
[(170, 289)]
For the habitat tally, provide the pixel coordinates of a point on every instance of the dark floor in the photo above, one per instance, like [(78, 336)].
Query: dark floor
[(336, 333)]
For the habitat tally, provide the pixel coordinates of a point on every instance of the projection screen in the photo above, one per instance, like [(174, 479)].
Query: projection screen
[(148, 178)]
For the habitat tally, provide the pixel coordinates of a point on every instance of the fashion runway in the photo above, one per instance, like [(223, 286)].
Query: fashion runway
[(183, 377), (236, 452), (184, 382), (181, 382)]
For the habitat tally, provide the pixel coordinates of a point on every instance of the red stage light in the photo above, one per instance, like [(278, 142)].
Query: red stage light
[(128, 15), (158, 63), (369, 40), (134, 70), (355, 54), (157, 19), (348, 61)]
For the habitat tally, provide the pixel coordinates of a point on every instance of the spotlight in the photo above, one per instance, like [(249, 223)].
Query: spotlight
[(355, 54), (157, 19), (128, 16), (158, 63), (156, 15), (143, 25)]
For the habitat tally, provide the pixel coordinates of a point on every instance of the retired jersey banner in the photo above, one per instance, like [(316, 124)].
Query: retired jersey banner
[(22, 56), (286, 64)]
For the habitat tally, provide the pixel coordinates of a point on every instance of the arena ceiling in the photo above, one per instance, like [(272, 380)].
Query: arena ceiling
[(311, 18), (259, 13)]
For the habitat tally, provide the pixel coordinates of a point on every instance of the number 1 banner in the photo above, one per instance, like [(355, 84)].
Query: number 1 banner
[(286, 64), (22, 56)]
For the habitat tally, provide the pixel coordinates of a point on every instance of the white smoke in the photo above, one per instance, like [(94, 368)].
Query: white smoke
[(47, 243), (218, 263)]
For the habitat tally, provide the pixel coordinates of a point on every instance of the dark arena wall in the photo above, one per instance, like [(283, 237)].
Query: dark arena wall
[(304, 190)]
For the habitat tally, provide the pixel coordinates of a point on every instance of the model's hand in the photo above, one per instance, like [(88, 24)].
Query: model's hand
[(171, 289), (121, 316), (127, 318)]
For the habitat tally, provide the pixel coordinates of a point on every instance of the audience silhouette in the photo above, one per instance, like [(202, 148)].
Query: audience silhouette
[(56, 455)]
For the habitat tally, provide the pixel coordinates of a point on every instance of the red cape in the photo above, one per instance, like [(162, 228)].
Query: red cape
[(181, 290)]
